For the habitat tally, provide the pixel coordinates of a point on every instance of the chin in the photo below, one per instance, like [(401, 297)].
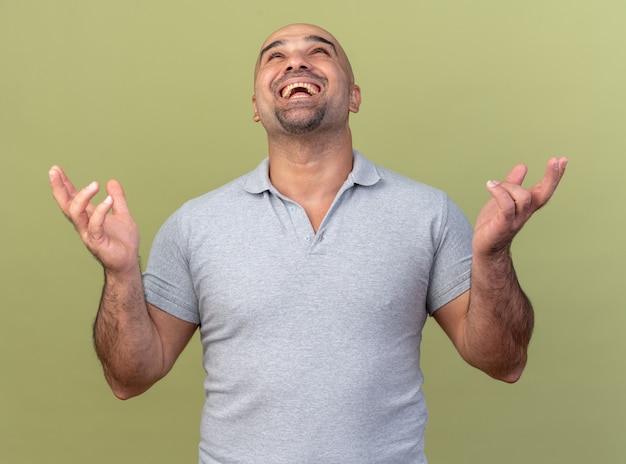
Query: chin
[(302, 125)]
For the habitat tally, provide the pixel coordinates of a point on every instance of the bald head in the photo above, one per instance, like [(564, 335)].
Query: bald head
[(306, 32)]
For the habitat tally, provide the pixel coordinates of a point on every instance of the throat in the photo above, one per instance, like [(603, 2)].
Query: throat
[(316, 213)]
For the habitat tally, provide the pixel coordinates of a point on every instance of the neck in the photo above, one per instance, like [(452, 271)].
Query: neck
[(310, 170), (310, 163)]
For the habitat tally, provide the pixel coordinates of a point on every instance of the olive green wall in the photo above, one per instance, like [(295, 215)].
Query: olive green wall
[(157, 93)]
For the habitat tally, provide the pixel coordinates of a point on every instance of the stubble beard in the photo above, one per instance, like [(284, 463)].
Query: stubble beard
[(300, 125)]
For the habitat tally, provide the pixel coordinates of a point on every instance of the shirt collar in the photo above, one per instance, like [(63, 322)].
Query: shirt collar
[(364, 173)]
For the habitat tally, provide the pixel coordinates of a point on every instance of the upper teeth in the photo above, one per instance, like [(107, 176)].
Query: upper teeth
[(311, 89)]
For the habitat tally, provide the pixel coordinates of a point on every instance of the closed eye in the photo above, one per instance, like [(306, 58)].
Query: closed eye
[(320, 50), (274, 55)]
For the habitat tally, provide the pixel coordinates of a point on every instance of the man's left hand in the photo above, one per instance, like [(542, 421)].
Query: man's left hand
[(511, 206)]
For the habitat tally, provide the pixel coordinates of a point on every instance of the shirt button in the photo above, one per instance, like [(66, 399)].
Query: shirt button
[(307, 238)]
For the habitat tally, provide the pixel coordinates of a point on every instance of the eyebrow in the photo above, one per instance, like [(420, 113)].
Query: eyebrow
[(310, 38)]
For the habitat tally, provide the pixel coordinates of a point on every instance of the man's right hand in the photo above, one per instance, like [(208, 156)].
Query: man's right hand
[(112, 238)]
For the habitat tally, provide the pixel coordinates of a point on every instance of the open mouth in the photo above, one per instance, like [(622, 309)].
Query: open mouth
[(299, 90)]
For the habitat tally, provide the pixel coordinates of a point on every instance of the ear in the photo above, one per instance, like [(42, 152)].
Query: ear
[(256, 117), (355, 98)]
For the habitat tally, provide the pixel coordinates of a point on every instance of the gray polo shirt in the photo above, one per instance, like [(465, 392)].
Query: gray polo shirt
[(311, 341)]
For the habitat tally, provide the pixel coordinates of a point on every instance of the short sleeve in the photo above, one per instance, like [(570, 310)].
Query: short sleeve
[(167, 280), (451, 269)]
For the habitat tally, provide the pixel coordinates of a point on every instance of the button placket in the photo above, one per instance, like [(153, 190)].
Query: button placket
[(301, 223)]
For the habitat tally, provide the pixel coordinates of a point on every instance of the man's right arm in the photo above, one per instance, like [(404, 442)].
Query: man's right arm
[(136, 342)]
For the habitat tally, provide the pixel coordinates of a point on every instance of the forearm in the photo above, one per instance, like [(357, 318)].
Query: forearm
[(492, 331), (125, 338), (500, 318)]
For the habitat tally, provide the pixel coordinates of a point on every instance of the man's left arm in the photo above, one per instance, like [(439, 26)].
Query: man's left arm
[(491, 324)]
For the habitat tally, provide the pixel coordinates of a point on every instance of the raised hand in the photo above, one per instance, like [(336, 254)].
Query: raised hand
[(107, 229), (511, 206)]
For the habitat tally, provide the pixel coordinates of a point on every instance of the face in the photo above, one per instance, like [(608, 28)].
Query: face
[(303, 81)]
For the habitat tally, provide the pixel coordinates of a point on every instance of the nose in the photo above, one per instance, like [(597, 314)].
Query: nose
[(297, 62)]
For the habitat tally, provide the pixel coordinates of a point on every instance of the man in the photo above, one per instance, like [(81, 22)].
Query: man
[(310, 279)]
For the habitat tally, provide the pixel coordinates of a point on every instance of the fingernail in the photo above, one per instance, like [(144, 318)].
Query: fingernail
[(492, 183)]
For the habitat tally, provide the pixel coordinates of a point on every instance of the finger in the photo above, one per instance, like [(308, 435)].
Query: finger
[(57, 175), (510, 196), (543, 190), (80, 208), (521, 198), (62, 189), (95, 227), (517, 174), (115, 190), (503, 198)]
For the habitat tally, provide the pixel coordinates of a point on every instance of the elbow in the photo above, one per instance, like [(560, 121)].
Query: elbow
[(125, 391), (510, 372), (128, 383), (510, 377), (123, 394)]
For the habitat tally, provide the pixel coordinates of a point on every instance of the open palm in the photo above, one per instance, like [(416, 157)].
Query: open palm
[(512, 205), (112, 238)]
